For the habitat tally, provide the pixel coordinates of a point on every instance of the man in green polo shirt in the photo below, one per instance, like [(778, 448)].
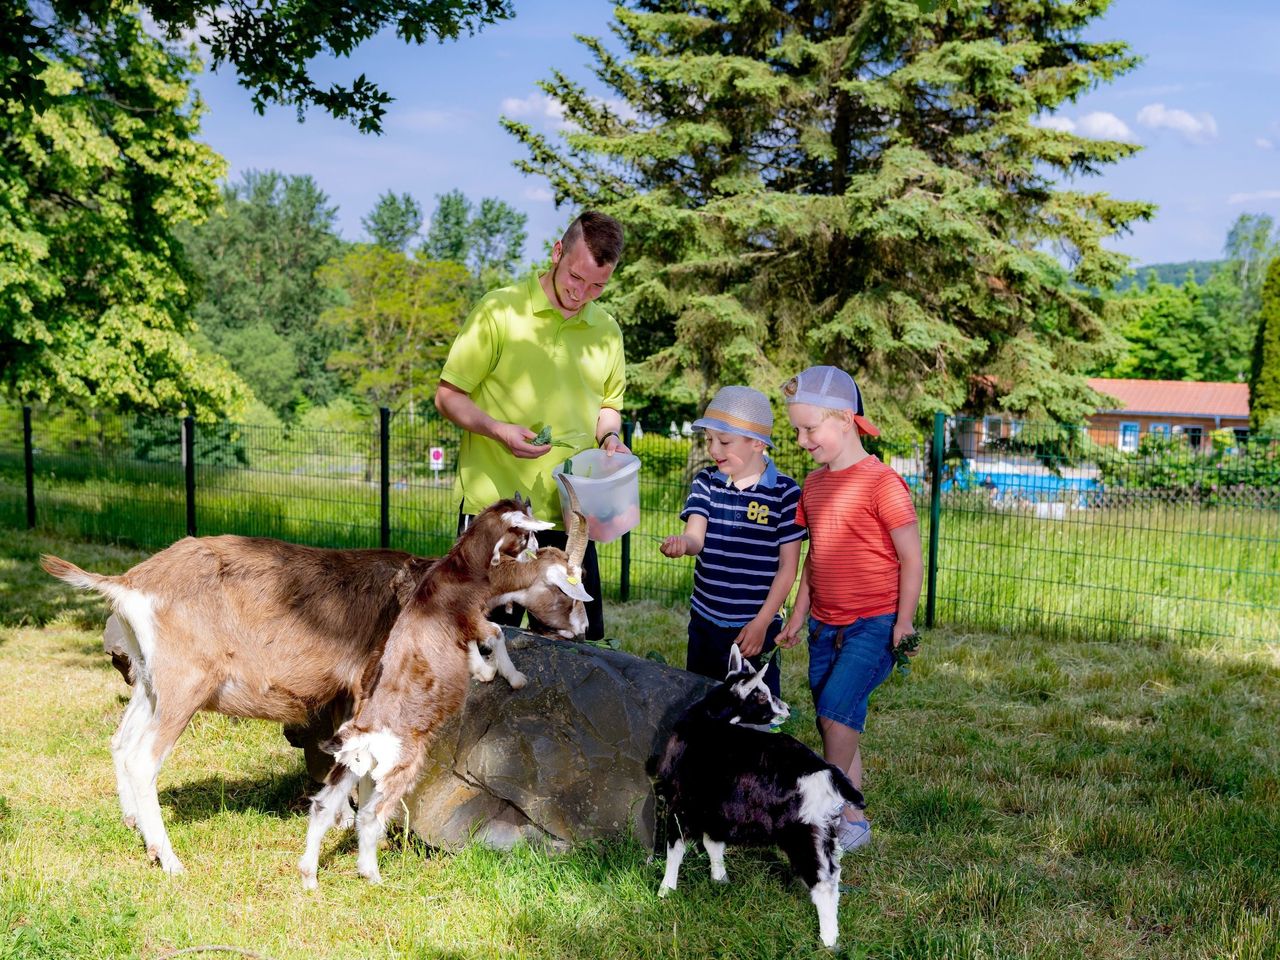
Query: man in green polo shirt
[(539, 352)]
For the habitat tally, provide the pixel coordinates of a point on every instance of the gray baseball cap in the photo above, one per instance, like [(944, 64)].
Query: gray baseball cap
[(829, 387), (739, 410)]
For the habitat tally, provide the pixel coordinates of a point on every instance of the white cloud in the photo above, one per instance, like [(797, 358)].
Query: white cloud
[(1101, 125), (1254, 197), (538, 194), (1098, 125), (1055, 122), (1264, 143), (1200, 128), (536, 106)]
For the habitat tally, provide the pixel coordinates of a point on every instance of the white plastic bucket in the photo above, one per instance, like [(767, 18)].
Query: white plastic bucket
[(608, 490)]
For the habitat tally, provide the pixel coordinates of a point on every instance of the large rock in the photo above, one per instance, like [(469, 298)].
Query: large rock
[(555, 763)]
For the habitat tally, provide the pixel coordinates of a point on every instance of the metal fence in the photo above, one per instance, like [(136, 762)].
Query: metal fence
[(1044, 528)]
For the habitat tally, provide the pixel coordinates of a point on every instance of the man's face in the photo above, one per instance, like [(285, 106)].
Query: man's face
[(575, 277)]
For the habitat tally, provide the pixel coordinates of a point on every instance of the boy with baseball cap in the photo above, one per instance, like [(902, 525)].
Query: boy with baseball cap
[(739, 523), (861, 580)]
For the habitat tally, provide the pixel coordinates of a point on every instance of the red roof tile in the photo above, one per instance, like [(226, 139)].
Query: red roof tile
[(1176, 397)]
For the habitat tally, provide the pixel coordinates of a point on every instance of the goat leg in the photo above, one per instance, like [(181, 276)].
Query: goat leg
[(675, 854), (715, 853), (503, 660)]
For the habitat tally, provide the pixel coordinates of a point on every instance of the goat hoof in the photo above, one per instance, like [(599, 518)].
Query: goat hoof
[(172, 866), (518, 681), (722, 879), (663, 891), (131, 822), (308, 881)]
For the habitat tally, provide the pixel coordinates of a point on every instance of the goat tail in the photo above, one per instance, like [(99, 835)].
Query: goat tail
[(846, 789), (68, 572)]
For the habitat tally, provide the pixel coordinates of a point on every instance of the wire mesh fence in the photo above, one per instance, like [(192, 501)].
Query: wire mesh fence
[(1044, 528)]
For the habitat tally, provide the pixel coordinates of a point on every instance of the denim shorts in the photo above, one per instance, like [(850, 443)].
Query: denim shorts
[(843, 672)]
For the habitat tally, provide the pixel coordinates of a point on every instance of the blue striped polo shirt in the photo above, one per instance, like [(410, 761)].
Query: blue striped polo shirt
[(745, 528)]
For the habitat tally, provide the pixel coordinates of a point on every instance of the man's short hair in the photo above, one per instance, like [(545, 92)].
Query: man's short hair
[(602, 233)]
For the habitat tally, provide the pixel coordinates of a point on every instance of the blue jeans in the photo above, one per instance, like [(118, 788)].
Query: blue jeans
[(846, 663)]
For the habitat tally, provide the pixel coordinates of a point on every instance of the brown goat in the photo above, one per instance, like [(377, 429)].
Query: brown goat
[(423, 680), (253, 627)]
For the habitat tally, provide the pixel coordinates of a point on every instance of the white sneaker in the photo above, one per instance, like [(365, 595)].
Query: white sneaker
[(852, 834)]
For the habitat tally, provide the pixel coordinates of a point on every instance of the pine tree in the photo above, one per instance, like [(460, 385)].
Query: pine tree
[(1264, 392), (860, 184)]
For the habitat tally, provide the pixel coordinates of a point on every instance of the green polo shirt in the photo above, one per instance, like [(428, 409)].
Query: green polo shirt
[(522, 362)]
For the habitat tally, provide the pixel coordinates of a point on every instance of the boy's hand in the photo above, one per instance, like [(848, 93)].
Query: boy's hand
[(675, 546), (901, 630), (790, 635), (750, 638)]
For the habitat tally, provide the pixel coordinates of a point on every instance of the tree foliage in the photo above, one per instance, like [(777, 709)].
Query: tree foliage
[(262, 298), (394, 220), (488, 239), (1199, 330), (1264, 392), (399, 317), (861, 184), (96, 177), (270, 45)]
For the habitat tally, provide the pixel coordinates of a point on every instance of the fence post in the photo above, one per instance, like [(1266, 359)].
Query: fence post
[(189, 469), (29, 467), (384, 485), (935, 513), (624, 575)]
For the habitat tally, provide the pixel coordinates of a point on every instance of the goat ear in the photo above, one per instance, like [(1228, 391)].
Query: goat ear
[(735, 660), (522, 521), (569, 586)]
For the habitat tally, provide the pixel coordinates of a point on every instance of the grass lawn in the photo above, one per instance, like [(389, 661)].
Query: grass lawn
[(1031, 798)]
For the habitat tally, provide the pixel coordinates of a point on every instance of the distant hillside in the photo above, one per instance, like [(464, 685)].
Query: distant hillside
[(1174, 273)]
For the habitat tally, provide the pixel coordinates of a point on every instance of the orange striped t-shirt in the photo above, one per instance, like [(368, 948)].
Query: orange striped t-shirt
[(853, 565)]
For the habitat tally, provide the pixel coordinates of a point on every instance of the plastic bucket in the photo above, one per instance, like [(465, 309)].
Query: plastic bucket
[(608, 490)]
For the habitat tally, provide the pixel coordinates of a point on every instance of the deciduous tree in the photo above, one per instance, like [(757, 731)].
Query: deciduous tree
[(96, 177), (270, 45), (398, 318), (261, 296), (394, 220)]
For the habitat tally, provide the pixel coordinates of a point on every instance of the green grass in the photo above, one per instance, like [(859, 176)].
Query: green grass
[(1032, 797)]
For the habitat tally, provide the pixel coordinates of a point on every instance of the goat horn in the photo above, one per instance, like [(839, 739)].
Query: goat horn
[(577, 538)]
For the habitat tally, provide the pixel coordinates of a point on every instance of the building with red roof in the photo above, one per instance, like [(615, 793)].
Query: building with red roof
[(1168, 407)]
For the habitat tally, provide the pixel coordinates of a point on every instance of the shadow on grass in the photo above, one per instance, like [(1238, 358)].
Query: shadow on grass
[(280, 795)]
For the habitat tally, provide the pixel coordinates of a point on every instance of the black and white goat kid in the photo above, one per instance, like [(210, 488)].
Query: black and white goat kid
[(726, 781)]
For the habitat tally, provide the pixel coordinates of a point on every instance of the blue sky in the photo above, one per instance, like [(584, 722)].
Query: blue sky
[(1205, 104)]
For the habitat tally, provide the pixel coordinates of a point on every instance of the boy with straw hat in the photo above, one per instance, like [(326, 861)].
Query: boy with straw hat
[(740, 524)]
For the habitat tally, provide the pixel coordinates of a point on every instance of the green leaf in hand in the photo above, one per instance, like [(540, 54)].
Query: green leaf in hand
[(905, 646)]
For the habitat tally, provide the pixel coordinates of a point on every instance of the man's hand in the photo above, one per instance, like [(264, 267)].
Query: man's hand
[(613, 444), (516, 439), (750, 639), (675, 546)]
